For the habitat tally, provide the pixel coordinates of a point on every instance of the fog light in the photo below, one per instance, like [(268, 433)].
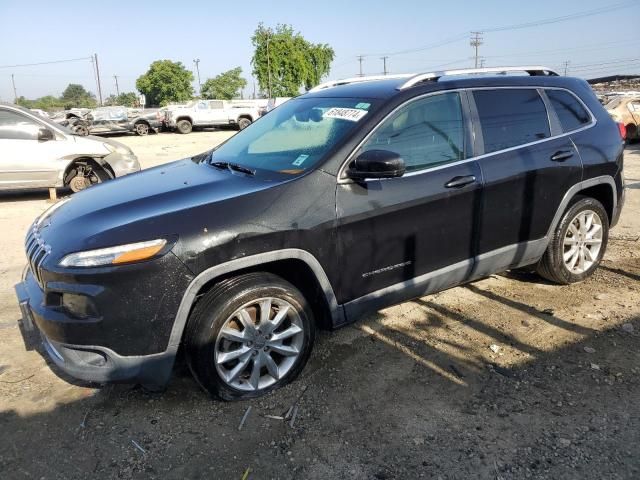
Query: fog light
[(79, 306)]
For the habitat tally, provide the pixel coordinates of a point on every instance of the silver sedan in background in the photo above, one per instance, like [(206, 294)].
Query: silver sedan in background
[(38, 153)]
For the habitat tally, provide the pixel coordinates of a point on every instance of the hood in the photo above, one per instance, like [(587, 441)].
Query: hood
[(135, 207)]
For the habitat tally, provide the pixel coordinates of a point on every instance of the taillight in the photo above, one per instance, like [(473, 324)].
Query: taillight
[(623, 130)]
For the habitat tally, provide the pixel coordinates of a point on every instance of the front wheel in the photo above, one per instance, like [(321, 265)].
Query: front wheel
[(249, 335), (578, 244)]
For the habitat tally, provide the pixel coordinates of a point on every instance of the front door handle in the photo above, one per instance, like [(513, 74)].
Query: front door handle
[(457, 182), (561, 156)]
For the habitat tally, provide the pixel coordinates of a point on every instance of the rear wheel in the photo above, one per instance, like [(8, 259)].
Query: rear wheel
[(578, 244), (184, 126), (243, 123), (249, 335), (142, 129), (80, 128)]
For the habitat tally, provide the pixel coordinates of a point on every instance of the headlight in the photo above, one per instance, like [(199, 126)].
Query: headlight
[(132, 252), (121, 149)]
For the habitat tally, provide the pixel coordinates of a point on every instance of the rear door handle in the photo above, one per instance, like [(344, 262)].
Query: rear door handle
[(457, 182), (561, 156)]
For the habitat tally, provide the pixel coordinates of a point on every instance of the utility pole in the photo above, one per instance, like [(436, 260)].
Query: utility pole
[(269, 66), (566, 66), (476, 41), (115, 77), (384, 63), (360, 59), (197, 62), (15, 92), (95, 55)]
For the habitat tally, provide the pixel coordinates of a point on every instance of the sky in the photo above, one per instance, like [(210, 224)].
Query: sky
[(417, 36)]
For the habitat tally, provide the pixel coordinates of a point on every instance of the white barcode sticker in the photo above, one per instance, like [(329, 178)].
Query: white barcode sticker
[(351, 114)]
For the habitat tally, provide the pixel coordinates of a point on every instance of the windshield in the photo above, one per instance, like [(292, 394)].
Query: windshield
[(295, 136)]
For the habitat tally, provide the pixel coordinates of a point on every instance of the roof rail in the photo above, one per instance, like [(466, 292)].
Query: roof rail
[(346, 81), (533, 70)]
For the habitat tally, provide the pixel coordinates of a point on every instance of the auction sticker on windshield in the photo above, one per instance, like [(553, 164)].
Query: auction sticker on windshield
[(351, 114)]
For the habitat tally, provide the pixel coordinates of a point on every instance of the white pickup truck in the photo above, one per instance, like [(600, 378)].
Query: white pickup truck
[(209, 113)]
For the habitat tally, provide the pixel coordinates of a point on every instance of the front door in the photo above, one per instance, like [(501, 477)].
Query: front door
[(401, 237), (26, 162)]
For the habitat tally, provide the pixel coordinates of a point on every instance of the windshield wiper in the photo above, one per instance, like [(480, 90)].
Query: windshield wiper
[(234, 166)]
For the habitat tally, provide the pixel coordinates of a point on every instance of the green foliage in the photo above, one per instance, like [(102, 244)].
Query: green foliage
[(129, 99), (293, 61), (48, 103), (166, 82), (75, 96), (224, 86)]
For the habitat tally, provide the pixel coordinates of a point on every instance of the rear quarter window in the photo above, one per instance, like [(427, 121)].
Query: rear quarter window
[(511, 117), (570, 112)]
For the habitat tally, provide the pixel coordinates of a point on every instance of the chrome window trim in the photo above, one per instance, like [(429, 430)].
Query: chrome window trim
[(344, 180)]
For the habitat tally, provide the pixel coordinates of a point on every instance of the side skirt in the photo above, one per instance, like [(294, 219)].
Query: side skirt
[(511, 256)]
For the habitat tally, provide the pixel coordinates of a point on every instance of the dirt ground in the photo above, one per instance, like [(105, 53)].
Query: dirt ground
[(509, 377)]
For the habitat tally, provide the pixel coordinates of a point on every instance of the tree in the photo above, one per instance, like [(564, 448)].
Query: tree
[(129, 99), (75, 96), (284, 62), (166, 82), (224, 86)]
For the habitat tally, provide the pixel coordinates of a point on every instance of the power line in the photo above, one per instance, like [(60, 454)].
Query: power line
[(518, 26), (563, 18), (46, 63)]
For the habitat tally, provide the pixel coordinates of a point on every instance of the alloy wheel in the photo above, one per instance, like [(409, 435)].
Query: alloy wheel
[(259, 344), (582, 242)]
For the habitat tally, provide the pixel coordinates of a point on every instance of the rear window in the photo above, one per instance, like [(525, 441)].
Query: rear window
[(511, 117), (571, 113)]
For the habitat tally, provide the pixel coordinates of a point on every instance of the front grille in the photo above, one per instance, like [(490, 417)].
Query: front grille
[(37, 250)]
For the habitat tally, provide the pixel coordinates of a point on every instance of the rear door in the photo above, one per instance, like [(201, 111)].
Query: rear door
[(527, 167), (395, 230)]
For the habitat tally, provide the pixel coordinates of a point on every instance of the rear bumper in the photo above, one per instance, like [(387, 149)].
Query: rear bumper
[(88, 362)]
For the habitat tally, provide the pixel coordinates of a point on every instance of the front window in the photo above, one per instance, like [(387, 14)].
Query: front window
[(14, 126), (296, 136), (426, 133)]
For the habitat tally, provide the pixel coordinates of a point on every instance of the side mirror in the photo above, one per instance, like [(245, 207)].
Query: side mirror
[(376, 164), (44, 135)]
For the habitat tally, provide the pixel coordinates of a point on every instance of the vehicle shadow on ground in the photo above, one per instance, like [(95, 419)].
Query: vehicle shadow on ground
[(383, 401)]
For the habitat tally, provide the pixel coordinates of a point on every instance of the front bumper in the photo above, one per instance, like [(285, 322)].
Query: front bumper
[(88, 362)]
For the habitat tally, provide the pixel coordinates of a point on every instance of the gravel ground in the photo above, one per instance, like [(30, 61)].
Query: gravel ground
[(507, 377)]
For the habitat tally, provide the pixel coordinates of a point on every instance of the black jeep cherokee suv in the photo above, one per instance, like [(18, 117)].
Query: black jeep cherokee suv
[(357, 195)]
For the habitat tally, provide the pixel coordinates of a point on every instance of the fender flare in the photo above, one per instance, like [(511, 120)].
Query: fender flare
[(577, 188), (189, 297)]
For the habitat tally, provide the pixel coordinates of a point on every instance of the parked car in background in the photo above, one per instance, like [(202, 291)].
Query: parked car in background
[(105, 120), (209, 113), (358, 195), (626, 110), (39, 153)]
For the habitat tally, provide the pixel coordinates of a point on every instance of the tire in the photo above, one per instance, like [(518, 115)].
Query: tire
[(215, 329), (184, 126), (80, 129), (142, 129), (553, 265), (243, 123)]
